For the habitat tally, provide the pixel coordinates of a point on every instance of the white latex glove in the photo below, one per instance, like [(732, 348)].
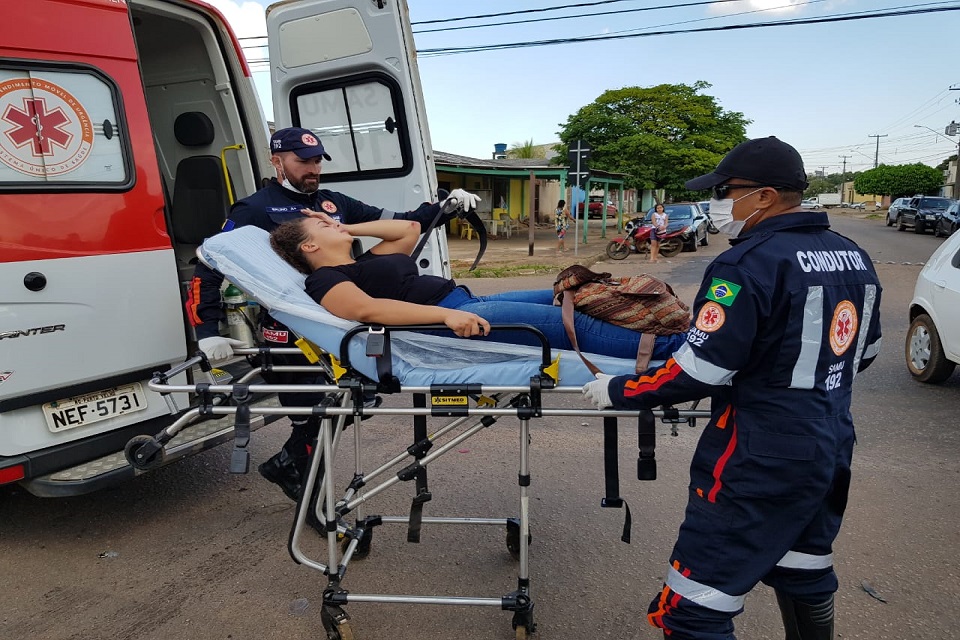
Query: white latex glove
[(459, 198), (218, 348), (598, 391)]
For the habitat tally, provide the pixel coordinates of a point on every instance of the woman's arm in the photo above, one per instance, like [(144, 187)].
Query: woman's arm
[(397, 236), (347, 301)]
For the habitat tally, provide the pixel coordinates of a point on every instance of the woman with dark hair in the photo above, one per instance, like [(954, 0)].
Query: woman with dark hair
[(660, 220), (383, 286)]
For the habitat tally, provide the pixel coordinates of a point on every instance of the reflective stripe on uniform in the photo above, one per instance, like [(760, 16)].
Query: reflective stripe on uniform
[(703, 595), (797, 560), (699, 369), (872, 350), (805, 369), (869, 300)]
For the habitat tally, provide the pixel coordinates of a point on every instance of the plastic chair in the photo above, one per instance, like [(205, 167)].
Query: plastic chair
[(505, 222), (466, 231)]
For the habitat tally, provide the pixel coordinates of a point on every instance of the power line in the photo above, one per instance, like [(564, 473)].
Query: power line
[(543, 10), (756, 25), (877, 156), (577, 15)]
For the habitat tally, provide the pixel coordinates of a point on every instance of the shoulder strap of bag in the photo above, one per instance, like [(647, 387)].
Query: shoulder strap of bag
[(567, 315)]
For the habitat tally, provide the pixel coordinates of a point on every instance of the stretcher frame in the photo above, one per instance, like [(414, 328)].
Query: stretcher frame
[(343, 401)]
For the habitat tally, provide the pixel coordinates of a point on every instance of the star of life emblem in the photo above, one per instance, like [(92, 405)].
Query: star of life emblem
[(843, 327)]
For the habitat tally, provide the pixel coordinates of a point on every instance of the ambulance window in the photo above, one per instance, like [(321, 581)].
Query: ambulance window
[(59, 128), (358, 124)]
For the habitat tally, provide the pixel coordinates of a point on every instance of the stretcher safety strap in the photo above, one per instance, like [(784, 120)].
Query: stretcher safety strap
[(422, 494), (703, 595), (611, 475)]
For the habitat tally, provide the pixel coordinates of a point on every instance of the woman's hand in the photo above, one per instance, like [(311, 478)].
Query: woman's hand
[(320, 215), (466, 324)]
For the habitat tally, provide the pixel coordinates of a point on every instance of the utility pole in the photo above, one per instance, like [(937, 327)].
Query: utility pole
[(843, 175), (876, 158)]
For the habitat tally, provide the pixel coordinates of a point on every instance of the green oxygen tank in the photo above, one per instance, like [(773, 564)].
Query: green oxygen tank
[(235, 303)]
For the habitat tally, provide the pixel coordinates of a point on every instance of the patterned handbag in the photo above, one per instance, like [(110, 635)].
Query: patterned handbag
[(642, 303)]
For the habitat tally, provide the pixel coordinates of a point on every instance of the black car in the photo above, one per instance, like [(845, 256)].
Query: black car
[(689, 215), (948, 223), (921, 213)]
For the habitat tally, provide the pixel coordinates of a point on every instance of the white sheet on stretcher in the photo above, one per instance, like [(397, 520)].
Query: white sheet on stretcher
[(244, 256)]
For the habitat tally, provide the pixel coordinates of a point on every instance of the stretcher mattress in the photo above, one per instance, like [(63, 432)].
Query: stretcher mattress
[(245, 258)]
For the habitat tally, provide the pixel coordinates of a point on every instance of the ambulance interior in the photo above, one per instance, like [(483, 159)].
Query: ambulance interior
[(197, 109)]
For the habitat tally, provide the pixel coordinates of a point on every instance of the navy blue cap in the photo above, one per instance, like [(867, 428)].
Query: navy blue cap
[(301, 141), (769, 162)]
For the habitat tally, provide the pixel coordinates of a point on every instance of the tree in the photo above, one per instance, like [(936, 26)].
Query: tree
[(899, 180), (524, 149), (659, 136)]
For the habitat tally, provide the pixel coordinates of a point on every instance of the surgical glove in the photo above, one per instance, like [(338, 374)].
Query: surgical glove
[(459, 199), (219, 348), (598, 391)]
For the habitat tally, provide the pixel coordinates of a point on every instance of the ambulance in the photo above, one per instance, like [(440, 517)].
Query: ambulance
[(127, 127)]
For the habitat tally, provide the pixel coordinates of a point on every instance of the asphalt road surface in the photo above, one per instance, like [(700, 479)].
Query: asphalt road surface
[(191, 551)]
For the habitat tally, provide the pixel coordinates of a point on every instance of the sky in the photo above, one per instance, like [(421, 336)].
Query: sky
[(824, 88)]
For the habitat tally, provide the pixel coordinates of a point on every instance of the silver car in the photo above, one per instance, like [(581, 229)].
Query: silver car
[(894, 210)]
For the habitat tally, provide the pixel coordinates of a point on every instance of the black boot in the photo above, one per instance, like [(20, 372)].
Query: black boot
[(803, 621), (284, 471)]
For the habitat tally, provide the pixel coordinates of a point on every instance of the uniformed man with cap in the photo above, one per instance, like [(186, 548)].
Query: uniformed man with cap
[(296, 155), (784, 321)]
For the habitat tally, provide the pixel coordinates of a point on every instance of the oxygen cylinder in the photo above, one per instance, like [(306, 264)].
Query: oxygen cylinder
[(235, 303)]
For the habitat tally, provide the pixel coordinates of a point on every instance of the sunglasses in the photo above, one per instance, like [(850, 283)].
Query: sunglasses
[(720, 191)]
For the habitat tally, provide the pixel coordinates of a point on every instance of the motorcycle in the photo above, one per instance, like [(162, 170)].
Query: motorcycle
[(636, 239)]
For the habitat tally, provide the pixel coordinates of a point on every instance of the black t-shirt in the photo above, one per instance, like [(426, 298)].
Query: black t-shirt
[(393, 276)]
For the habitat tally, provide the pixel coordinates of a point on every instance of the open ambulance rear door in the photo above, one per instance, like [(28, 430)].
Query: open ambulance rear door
[(347, 71)]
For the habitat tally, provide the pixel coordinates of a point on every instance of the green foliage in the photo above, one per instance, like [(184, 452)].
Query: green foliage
[(899, 181), (659, 136), (525, 150)]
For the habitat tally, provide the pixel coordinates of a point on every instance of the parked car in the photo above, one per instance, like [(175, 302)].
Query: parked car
[(685, 214), (853, 205), (810, 203), (948, 222), (894, 209), (921, 213), (596, 208), (932, 348)]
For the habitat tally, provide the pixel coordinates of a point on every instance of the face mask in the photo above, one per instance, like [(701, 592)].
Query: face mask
[(721, 212), (286, 183)]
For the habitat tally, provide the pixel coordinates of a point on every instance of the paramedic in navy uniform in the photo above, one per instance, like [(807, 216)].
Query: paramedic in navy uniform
[(296, 155), (784, 321)]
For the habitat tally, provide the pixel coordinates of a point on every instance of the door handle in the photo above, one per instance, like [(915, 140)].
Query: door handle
[(940, 284)]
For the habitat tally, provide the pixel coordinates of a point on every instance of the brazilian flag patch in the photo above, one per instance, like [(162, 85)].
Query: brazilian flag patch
[(723, 292)]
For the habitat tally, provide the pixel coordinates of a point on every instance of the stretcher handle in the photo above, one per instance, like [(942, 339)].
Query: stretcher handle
[(163, 376), (363, 328)]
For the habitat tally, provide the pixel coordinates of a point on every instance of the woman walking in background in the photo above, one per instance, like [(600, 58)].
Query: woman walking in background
[(562, 222)]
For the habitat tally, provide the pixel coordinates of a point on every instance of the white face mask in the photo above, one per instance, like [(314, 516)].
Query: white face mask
[(721, 212)]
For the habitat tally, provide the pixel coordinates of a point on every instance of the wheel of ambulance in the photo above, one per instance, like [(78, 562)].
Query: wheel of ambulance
[(618, 250), (139, 460), (924, 352), (671, 247)]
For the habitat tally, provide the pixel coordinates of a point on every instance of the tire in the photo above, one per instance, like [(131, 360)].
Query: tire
[(706, 240), (618, 250), (900, 225), (918, 227), (924, 352), (936, 230), (712, 228), (889, 221), (671, 247)]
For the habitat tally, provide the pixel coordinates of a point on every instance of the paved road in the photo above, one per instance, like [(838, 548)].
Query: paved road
[(193, 552)]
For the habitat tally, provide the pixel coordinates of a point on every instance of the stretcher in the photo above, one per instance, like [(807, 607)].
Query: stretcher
[(469, 383)]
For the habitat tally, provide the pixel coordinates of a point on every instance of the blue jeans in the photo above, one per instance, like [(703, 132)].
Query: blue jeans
[(536, 308)]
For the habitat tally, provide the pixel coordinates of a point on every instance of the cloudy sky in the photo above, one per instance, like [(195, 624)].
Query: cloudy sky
[(825, 88)]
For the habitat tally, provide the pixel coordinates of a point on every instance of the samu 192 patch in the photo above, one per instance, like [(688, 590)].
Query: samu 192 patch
[(723, 292)]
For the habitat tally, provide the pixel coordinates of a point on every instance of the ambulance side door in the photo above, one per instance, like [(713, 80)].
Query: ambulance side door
[(346, 70)]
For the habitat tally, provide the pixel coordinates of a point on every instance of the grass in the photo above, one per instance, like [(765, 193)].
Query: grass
[(461, 270)]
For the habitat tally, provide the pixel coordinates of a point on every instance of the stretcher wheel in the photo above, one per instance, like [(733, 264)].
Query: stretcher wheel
[(336, 629), (144, 452), (513, 541)]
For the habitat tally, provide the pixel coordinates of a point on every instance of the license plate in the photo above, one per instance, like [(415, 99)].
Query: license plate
[(80, 411)]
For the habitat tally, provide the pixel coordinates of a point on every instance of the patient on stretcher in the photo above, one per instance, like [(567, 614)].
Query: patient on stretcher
[(384, 286)]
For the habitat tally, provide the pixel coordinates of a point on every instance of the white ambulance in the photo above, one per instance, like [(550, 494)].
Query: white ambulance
[(126, 129)]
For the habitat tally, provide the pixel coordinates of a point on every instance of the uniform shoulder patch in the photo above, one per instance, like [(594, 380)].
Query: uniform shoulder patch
[(723, 291), (711, 317)]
